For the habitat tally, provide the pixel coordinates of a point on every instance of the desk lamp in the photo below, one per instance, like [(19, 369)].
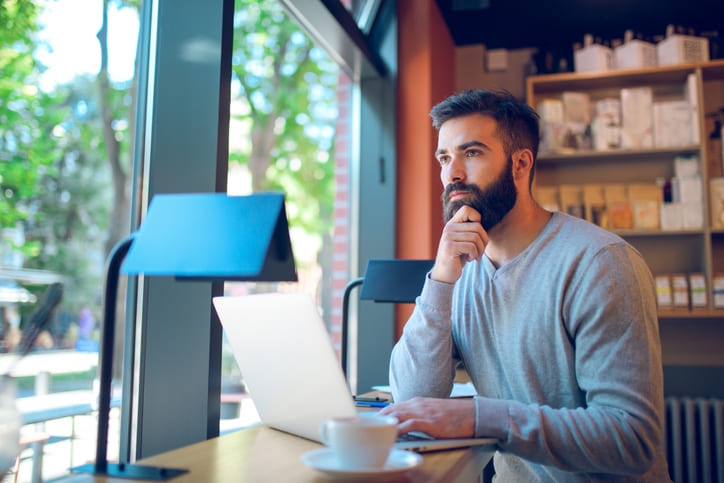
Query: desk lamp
[(385, 280), (209, 237)]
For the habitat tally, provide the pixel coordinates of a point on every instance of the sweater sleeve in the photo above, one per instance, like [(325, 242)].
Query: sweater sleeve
[(610, 315), (422, 362)]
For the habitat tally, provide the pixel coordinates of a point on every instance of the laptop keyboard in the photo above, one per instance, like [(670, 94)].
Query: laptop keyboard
[(414, 436)]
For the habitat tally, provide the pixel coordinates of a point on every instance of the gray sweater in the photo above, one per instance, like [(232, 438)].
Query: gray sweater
[(562, 345)]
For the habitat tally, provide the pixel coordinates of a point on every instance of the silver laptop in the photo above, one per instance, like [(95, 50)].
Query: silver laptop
[(287, 361)]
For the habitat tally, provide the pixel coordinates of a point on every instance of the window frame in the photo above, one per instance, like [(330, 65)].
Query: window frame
[(173, 338)]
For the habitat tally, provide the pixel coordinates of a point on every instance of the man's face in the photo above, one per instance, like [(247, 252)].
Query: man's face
[(493, 202), (475, 170)]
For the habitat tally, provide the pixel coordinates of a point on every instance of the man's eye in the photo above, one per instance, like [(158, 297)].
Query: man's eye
[(472, 153), (443, 160)]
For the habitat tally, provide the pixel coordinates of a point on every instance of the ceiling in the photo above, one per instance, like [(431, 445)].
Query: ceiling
[(557, 24)]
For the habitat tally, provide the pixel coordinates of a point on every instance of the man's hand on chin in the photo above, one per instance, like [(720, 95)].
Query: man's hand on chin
[(463, 240)]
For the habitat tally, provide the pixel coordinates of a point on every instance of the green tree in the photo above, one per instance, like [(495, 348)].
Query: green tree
[(71, 211), (64, 158), (27, 143), (287, 90)]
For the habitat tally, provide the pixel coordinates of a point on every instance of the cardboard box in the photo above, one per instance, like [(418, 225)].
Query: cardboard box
[(682, 49), (593, 58), (716, 195), (680, 291), (697, 291), (636, 118), (718, 290), (635, 54), (645, 200), (672, 123), (618, 206), (664, 296)]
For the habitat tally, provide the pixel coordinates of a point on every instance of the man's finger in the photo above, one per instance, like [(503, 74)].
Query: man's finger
[(465, 214)]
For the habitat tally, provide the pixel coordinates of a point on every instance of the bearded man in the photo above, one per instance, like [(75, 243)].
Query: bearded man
[(553, 318)]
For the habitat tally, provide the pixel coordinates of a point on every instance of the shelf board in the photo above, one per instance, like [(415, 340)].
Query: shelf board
[(656, 232), (686, 314), (580, 155), (622, 78)]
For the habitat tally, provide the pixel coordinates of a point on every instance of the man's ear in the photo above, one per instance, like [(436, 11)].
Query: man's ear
[(522, 163)]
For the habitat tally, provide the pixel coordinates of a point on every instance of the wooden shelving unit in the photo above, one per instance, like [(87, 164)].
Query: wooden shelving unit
[(676, 251)]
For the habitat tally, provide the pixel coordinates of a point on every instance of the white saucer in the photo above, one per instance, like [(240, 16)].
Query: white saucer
[(323, 460)]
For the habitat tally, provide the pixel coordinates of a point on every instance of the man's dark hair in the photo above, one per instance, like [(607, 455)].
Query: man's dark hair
[(517, 122)]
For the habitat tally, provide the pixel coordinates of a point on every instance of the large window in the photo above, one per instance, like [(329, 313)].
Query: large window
[(105, 103), (289, 130), (67, 106)]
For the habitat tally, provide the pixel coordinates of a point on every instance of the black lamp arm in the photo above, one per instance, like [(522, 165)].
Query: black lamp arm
[(110, 295), (345, 320)]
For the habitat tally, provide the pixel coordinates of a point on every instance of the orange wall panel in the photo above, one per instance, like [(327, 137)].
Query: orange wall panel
[(426, 75)]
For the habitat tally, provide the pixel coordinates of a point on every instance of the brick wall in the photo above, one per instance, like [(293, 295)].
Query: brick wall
[(342, 158)]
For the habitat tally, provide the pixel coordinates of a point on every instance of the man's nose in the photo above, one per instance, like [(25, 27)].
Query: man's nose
[(454, 171)]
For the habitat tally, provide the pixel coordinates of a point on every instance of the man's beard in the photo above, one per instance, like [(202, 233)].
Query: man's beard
[(492, 204)]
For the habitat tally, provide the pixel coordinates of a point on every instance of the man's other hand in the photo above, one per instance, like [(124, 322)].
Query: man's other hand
[(440, 418)]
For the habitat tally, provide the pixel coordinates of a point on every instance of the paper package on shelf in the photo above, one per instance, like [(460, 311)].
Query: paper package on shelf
[(636, 118), (697, 291), (618, 206), (671, 216), (692, 95), (687, 189), (634, 54), (576, 107), (692, 214), (672, 124), (680, 290), (688, 192), (664, 297), (682, 49), (550, 110), (564, 136), (593, 58), (645, 200), (718, 290), (606, 124)]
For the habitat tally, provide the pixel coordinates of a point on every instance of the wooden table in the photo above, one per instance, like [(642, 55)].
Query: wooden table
[(262, 454)]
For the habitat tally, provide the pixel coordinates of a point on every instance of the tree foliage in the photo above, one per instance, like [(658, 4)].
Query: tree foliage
[(287, 90), (27, 116), (53, 171), (65, 155)]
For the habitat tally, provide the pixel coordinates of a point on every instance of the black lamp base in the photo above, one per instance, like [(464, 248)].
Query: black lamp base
[(137, 472)]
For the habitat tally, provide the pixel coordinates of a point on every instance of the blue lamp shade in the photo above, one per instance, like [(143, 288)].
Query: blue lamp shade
[(212, 236)]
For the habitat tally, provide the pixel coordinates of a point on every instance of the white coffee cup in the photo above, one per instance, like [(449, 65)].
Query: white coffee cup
[(360, 442)]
